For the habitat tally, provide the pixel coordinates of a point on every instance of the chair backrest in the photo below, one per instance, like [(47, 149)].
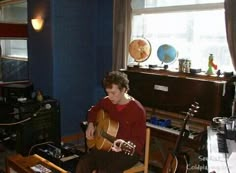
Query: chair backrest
[(147, 147), (140, 166)]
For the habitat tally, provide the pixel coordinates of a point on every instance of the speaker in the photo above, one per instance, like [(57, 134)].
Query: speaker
[(43, 127)]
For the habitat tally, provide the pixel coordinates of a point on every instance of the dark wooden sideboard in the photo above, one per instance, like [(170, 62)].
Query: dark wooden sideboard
[(174, 91), (168, 95)]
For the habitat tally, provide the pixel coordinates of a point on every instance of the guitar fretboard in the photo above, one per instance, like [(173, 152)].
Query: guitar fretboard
[(107, 136)]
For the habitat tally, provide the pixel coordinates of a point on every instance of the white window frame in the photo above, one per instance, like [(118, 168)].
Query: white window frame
[(177, 8)]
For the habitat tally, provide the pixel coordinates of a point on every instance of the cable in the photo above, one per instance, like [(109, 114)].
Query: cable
[(7, 138), (18, 122), (45, 107), (48, 142), (227, 163)]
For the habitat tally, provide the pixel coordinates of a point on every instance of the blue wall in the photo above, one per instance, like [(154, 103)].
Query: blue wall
[(70, 56)]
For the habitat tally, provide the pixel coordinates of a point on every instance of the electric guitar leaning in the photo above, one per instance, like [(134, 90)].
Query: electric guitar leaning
[(105, 134), (176, 162)]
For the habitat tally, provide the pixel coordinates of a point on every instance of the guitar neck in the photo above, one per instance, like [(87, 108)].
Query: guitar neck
[(107, 136), (180, 137), (192, 110)]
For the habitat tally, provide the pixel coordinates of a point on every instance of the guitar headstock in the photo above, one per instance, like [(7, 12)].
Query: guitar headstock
[(193, 109), (128, 148)]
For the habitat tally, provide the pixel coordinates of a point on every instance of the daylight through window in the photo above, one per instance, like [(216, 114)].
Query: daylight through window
[(195, 28)]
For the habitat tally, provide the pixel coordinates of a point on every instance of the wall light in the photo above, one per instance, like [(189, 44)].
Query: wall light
[(37, 23)]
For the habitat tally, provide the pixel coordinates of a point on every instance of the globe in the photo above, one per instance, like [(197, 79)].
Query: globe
[(140, 49), (166, 53)]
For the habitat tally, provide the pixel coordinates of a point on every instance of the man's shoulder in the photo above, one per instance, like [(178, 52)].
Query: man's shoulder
[(104, 101), (136, 101), (138, 104)]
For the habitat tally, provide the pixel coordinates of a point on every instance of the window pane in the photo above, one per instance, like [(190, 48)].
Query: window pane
[(13, 61), (14, 13), (14, 48), (194, 35)]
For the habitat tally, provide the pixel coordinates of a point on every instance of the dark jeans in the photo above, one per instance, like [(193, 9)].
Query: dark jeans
[(105, 162)]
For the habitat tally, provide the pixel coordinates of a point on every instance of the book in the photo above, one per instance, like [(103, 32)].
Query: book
[(40, 169)]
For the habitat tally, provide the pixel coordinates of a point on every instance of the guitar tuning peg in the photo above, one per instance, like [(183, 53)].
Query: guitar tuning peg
[(196, 104)]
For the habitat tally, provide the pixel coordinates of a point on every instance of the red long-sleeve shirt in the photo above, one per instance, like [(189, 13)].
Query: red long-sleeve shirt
[(131, 119)]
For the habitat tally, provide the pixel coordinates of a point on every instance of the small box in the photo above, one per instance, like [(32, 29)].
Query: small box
[(19, 164), (11, 92)]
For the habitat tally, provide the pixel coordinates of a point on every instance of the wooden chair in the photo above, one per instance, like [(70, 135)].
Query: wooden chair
[(142, 167)]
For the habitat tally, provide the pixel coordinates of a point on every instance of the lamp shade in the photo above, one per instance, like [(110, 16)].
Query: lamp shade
[(37, 23)]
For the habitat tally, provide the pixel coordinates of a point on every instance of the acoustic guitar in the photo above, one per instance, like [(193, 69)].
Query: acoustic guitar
[(176, 161), (105, 134)]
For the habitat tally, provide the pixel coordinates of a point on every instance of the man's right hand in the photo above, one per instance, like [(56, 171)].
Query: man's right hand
[(90, 131)]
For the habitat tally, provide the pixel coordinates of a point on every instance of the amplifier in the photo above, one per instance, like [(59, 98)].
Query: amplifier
[(30, 107), (43, 126)]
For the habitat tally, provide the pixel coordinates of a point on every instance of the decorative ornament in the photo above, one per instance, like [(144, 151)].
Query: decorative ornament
[(39, 96), (211, 65)]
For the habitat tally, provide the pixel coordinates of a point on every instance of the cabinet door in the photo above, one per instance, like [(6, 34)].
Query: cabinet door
[(175, 94), (141, 88)]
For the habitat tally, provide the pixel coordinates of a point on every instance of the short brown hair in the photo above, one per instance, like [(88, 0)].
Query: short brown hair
[(118, 78)]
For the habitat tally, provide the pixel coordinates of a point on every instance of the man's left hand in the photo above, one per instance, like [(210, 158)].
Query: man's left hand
[(117, 145)]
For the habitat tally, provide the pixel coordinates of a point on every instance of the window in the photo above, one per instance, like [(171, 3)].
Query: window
[(195, 28), (13, 40)]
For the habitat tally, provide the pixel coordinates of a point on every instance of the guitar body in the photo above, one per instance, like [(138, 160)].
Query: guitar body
[(171, 164), (104, 125), (182, 164), (175, 164)]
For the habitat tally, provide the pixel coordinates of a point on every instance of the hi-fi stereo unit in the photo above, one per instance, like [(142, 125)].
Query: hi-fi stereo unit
[(42, 126)]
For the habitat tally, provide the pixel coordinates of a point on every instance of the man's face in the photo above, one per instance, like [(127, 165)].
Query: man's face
[(115, 94)]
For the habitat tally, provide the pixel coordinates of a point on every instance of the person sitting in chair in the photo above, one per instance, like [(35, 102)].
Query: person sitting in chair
[(130, 116)]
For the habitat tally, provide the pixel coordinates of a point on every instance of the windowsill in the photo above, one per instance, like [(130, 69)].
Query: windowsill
[(13, 82), (175, 73), (23, 58)]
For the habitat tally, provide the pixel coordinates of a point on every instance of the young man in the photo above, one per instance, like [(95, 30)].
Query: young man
[(131, 117)]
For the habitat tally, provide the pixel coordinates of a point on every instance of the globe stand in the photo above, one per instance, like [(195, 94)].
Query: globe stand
[(137, 65), (165, 67)]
